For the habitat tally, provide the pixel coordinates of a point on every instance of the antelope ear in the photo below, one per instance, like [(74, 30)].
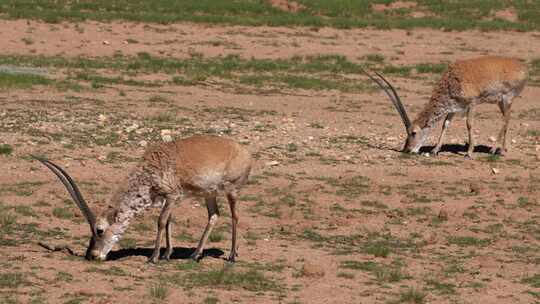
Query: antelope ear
[(110, 214), (413, 130)]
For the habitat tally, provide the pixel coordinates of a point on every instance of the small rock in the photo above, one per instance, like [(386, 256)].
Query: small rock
[(312, 270), (102, 157), (143, 143), (166, 135), (514, 141), (272, 163), (132, 128), (432, 239), (105, 42), (102, 117), (426, 154), (443, 215), (492, 139), (475, 188), (495, 170)]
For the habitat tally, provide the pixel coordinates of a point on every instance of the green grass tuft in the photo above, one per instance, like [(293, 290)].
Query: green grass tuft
[(6, 149), (21, 81)]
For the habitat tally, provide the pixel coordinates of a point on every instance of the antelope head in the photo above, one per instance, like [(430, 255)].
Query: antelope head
[(416, 134), (102, 237)]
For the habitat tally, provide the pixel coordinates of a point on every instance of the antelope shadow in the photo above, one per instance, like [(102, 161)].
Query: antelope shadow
[(457, 149), (179, 253)]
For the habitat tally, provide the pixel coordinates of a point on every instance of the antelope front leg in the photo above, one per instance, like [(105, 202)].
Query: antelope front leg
[(234, 216), (162, 223), (169, 249), (470, 118), (213, 214), (445, 126), (501, 140)]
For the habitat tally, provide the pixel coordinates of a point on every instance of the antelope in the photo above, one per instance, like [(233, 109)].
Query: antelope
[(200, 166), (465, 84)]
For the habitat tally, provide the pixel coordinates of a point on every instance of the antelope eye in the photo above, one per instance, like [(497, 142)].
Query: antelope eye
[(100, 231)]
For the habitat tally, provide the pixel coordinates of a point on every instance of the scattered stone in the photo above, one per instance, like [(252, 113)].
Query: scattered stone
[(495, 170), (143, 143), (312, 270), (443, 215), (492, 139), (105, 42), (432, 239), (272, 163), (514, 141), (475, 188), (102, 117), (166, 135), (132, 128)]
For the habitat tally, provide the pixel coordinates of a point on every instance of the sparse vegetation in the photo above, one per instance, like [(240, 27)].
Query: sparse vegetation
[(340, 14)]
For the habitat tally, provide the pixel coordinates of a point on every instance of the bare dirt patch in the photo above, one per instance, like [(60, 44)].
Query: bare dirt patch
[(507, 14), (394, 5), (287, 6)]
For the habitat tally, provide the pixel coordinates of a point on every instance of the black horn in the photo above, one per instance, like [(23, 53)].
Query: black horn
[(394, 97), (73, 190)]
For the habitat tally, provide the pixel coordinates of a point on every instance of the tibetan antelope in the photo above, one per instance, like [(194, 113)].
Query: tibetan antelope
[(199, 165), (464, 85)]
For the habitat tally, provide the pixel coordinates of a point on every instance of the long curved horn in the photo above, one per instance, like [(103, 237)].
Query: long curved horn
[(73, 190), (394, 97)]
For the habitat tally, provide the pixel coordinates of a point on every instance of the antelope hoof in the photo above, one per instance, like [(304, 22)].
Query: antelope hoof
[(231, 259), (497, 151), (166, 256), (196, 257), (468, 157), (153, 259)]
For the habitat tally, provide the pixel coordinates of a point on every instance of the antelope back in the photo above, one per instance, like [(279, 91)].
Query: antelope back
[(202, 163), (489, 74)]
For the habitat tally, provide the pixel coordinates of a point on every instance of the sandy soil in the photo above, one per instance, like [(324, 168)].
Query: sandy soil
[(344, 178)]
